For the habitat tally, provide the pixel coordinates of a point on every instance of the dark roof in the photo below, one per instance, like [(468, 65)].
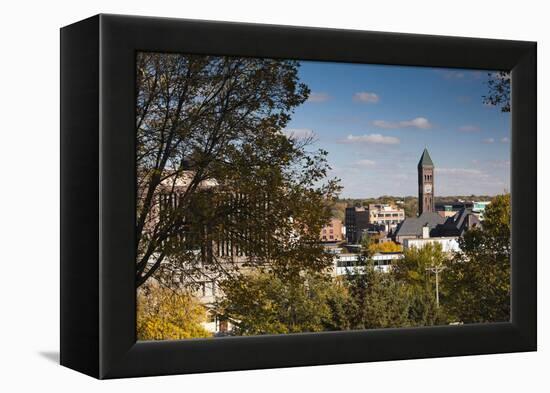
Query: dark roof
[(456, 225), (425, 160), (459, 223), (412, 226)]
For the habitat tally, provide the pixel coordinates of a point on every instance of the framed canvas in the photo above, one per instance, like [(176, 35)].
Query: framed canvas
[(240, 196)]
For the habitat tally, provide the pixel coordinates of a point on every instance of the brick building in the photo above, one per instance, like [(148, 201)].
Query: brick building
[(333, 231)]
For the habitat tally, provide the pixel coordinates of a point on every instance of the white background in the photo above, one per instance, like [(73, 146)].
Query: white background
[(29, 173)]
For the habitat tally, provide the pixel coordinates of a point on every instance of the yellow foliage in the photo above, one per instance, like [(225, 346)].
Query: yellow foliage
[(385, 247), (163, 314)]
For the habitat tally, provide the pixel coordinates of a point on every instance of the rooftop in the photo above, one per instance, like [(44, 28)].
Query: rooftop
[(412, 226)]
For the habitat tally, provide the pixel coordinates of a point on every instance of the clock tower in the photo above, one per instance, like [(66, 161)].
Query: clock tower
[(425, 183)]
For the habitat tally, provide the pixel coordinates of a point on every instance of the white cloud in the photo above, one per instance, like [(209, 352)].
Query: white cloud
[(460, 172), (451, 74), (365, 163), (460, 74), (465, 181), (469, 128), (299, 133), (488, 140), (500, 164), (318, 97), (365, 96), (491, 164), (505, 140), (418, 122), (372, 139)]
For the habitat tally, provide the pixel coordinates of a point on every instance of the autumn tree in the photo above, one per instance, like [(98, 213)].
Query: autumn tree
[(388, 246), (164, 314), (217, 176), (478, 279)]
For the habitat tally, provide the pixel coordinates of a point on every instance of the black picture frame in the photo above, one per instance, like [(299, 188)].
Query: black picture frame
[(98, 196)]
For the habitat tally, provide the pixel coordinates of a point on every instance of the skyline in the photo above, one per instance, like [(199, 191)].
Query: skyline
[(375, 121)]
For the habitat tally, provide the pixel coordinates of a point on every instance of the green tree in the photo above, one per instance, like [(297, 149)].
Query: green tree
[(210, 144), (410, 206), (412, 269), (376, 300), (264, 303), (415, 272), (367, 242), (164, 314), (478, 279)]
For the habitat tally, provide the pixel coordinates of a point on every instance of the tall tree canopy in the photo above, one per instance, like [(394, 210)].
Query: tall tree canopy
[(217, 174)]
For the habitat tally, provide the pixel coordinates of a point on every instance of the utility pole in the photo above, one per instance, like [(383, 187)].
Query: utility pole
[(436, 269)]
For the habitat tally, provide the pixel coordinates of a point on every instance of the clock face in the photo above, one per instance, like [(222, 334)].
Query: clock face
[(427, 188)]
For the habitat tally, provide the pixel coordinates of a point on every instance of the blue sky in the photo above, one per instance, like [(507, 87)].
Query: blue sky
[(376, 120)]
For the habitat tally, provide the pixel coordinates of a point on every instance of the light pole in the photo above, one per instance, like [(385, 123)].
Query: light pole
[(436, 269)]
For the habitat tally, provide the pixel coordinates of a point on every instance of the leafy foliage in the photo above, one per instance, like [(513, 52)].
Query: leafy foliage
[(412, 269), (263, 303), (376, 300), (478, 279), (367, 241), (163, 314), (209, 138), (385, 247), (499, 90), (414, 272)]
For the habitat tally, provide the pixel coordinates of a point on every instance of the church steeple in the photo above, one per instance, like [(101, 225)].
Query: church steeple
[(425, 183)]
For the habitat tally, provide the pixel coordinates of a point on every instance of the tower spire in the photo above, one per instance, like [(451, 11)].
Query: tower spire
[(425, 159), (425, 183)]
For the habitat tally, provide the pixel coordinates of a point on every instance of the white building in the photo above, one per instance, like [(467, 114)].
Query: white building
[(479, 209), (384, 260), (448, 244), (349, 262)]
